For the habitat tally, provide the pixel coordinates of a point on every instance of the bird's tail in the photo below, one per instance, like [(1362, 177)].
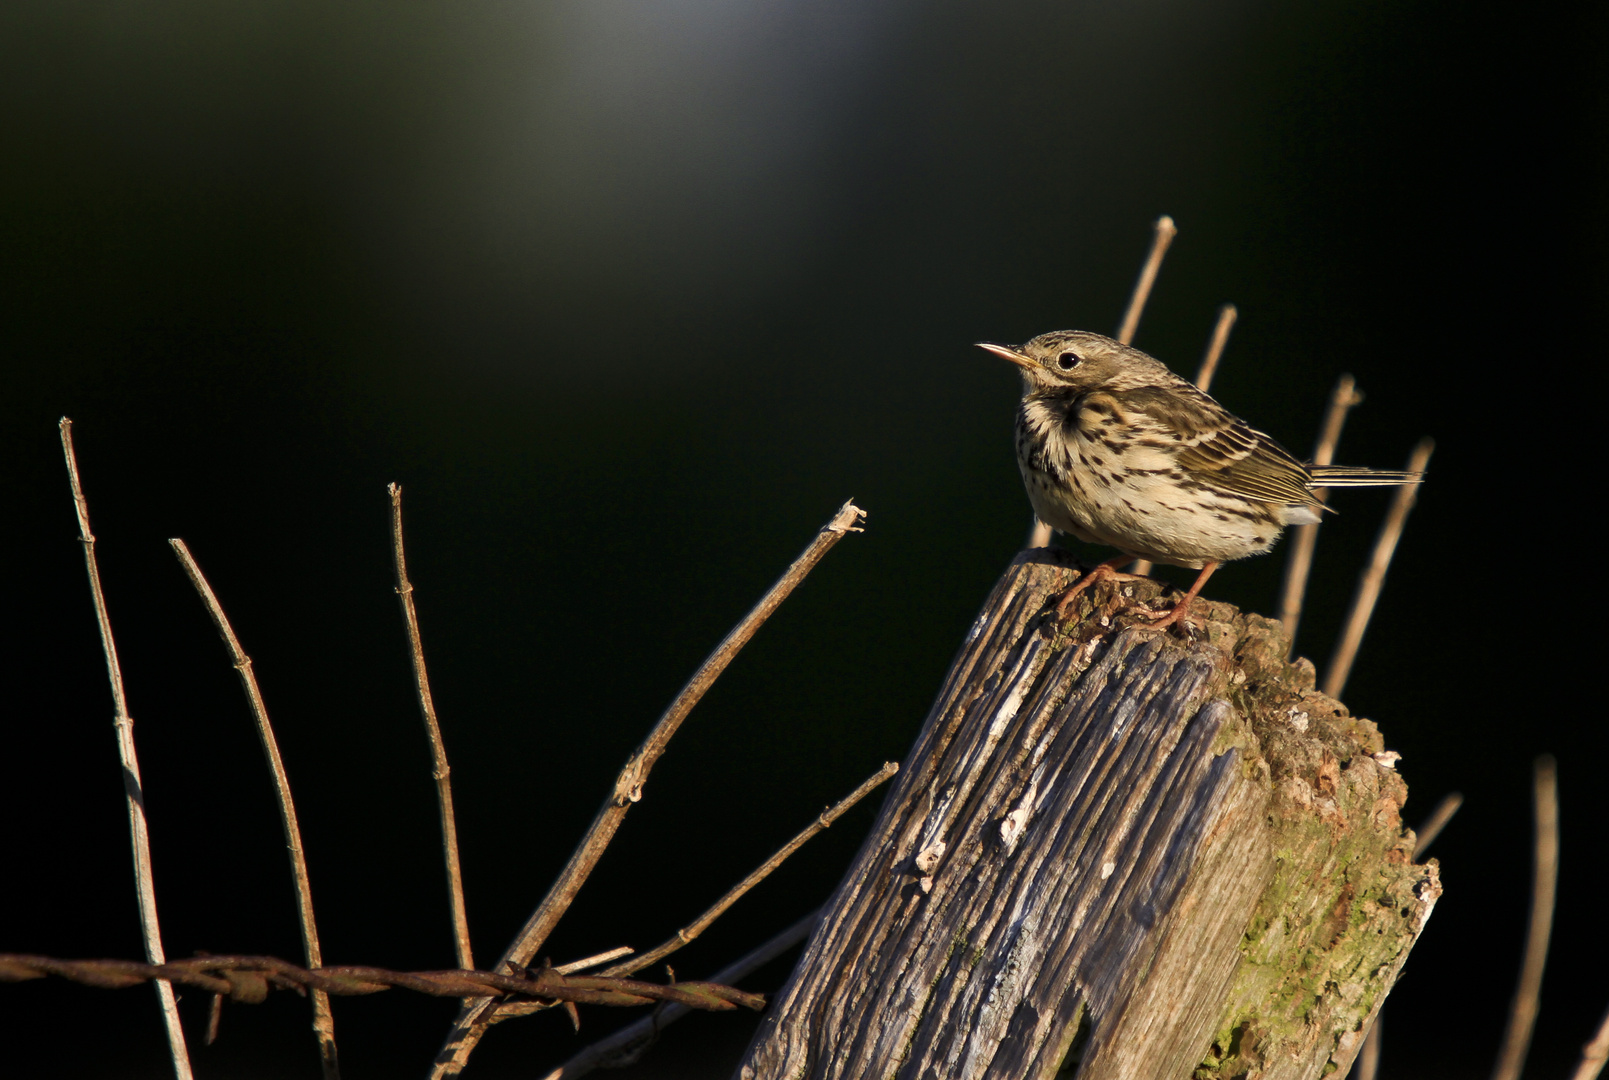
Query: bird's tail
[(1347, 476)]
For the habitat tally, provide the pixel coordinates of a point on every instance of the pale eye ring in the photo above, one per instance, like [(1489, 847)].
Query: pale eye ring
[(1067, 361)]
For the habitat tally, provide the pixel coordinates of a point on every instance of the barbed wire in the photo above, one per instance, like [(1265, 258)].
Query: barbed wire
[(248, 979)]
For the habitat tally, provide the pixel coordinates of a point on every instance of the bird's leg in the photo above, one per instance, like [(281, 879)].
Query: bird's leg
[(1183, 606), (1107, 569)]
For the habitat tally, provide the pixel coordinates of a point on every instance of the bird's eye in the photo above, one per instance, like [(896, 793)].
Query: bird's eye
[(1067, 361)]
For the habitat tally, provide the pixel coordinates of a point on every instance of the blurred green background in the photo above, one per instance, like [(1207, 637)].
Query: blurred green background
[(630, 297)]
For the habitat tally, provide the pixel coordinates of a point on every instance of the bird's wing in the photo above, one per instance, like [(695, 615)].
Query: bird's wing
[(1214, 447)]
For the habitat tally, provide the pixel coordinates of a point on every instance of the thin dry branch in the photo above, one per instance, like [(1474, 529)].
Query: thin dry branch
[(1162, 234), (323, 1022), (687, 934), (691, 931), (133, 789), (593, 961), (438, 750), (1373, 577), (1544, 887), (1303, 538), (472, 1021), (628, 1044), (1215, 347), (1209, 367), (1369, 1056), (1595, 1054), (1437, 821)]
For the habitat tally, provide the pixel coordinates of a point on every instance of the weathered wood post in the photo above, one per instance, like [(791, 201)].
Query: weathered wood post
[(1113, 853)]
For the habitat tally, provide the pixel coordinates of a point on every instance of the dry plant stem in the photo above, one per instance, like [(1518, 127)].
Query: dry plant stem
[(473, 1019), (629, 1043), (1594, 1054), (133, 790), (1374, 575), (1544, 885), (323, 1023), (1038, 535), (1425, 835), (690, 932), (1299, 561), (593, 961), (1437, 821), (1215, 348), (1369, 1056), (1209, 367), (438, 751), (686, 935), (1161, 236)]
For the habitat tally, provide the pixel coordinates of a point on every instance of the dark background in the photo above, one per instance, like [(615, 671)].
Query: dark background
[(630, 297)]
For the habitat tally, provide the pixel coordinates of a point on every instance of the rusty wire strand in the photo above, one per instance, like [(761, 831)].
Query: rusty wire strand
[(248, 979)]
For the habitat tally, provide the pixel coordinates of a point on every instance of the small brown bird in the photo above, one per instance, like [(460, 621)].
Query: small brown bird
[(1118, 450)]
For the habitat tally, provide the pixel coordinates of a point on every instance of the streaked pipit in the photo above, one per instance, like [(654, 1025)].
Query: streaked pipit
[(1115, 449)]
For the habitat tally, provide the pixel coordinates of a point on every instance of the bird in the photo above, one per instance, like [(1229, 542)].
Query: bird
[(1117, 450)]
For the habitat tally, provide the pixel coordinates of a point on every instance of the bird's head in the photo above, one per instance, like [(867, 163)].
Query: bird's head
[(1081, 361)]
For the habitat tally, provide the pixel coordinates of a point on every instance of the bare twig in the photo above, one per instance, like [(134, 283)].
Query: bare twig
[(593, 961), (1595, 1054), (1544, 885), (686, 935), (438, 750), (1162, 235), (1215, 348), (323, 1022), (1209, 367), (472, 1021), (1437, 821), (1369, 1056), (133, 790), (248, 979), (1299, 560), (1374, 575), (629, 1043)]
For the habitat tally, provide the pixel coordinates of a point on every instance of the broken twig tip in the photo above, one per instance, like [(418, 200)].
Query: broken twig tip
[(846, 518)]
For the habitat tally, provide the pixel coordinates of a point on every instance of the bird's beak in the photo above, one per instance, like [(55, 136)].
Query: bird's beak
[(1009, 353)]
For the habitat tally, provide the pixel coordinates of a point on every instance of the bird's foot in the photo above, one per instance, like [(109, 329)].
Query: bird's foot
[(1104, 571), (1178, 615), (1181, 610)]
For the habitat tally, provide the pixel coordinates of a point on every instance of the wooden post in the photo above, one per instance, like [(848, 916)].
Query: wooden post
[(1113, 853)]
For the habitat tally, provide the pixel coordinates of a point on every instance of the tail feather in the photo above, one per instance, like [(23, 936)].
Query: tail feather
[(1347, 476)]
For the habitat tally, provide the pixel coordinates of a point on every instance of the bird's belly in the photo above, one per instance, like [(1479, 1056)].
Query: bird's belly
[(1150, 516)]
